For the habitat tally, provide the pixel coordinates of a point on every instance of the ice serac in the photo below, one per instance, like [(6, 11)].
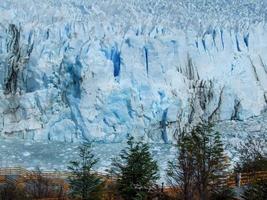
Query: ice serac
[(97, 70)]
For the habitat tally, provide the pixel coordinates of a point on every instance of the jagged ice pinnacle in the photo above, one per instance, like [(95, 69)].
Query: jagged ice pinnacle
[(102, 70)]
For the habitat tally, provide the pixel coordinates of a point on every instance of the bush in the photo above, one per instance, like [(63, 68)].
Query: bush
[(11, 192)]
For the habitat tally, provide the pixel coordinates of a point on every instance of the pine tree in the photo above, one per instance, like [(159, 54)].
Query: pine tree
[(84, 183), (255, 191), (201, 163), (210, 160), (180, 172), (252, 155), (136, 170), (253, 158)]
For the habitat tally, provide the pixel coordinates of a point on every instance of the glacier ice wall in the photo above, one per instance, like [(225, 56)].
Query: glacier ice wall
[(102, 70)]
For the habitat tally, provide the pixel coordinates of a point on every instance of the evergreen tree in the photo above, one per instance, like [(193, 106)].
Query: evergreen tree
[(84, 183), (201, 163), (180, 172), (223, 193), (210, 160), (136, 171), (255, 191), (253, 158)]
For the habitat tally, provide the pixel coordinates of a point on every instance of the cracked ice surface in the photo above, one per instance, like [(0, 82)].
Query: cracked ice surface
[(102, 70)]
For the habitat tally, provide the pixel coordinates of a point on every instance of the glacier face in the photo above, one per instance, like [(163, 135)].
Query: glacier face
[(101, 70)]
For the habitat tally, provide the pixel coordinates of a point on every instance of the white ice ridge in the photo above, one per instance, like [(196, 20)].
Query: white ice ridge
[(102, 70)]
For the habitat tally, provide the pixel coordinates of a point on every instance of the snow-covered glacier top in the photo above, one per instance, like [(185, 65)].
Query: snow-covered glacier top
[(102, 70), (193, 14)]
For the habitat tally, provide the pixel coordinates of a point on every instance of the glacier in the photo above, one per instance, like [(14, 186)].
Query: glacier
[(74, 70)]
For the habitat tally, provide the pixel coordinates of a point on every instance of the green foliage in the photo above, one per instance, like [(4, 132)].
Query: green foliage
[(252, 156), (84, 183), (201, 163), (210, 161), (136, 171), (256, 191), (223, 194), (181, 171)]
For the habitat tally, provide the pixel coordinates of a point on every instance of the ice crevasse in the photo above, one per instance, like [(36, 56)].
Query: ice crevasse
[(73, 70)]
